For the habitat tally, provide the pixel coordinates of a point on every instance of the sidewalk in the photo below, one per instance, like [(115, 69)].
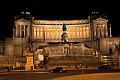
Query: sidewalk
[(41, 70), (1, 71), (49, 68)]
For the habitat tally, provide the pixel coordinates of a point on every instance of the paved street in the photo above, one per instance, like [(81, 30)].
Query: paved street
[(96, 76), (45, 75)]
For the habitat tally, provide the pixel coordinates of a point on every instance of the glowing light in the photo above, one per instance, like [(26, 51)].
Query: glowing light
[(103, 25)]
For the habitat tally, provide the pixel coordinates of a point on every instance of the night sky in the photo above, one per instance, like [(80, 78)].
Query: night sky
[(58, 9)]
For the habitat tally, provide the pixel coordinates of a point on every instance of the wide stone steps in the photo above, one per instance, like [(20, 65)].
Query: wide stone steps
[(73, 60), (6, 61)]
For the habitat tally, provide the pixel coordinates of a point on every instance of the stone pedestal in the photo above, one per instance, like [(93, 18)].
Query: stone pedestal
[(29, 64), (119, 60)]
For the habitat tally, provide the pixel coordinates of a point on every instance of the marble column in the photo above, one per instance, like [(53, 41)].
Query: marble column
[(47, 33), (43, 34), (89, 32), (110, 32), (24, 31), (54, 34), (39, 33), (78, 33), (28, 31), (102, 32), (85, 32), (36, 33), (82, 32), (98, 31), (75, 32), (95, 29), (20, 31), (106, 30), (57, 33), (13, 33), (16, 32)]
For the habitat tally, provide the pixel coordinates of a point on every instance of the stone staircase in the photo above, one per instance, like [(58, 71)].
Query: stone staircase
[(72, 60), (5, 61)]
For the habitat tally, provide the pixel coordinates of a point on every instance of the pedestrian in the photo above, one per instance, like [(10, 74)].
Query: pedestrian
[(76, 67), (80, 65), (8, 69)]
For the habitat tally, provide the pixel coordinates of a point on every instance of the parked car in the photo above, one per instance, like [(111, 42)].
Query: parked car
[(59, 69), (105, 67)]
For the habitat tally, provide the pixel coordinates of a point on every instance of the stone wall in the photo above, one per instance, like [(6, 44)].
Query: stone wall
[(107, 43)]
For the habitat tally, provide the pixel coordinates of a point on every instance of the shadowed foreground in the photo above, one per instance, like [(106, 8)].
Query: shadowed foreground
[(98, 76)]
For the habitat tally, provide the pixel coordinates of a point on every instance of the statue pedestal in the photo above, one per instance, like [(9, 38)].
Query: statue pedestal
[(29, 64), (64, 37)]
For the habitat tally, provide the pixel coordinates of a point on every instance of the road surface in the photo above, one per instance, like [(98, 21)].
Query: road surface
[(45, 75)]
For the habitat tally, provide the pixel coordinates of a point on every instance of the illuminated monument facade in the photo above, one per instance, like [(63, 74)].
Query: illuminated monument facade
[(91, 36)]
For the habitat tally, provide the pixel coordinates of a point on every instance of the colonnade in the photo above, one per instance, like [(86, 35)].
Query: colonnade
[(54, 32), (22, 31)]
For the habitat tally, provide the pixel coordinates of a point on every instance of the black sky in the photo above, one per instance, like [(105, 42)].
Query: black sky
[(57, 9)]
